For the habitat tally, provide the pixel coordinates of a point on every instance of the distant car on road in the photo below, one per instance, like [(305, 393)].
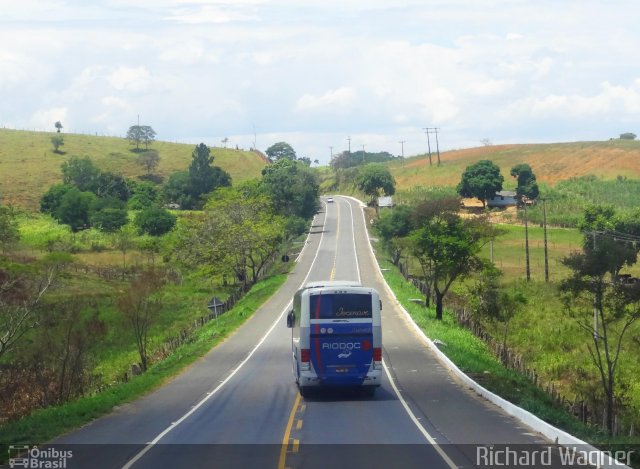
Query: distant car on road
[(329, 200)]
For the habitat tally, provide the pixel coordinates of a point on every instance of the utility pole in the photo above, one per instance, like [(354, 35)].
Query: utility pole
[(330, 153), (546, 251), (435, 130), (402, 142), (426, 131), (363, 152), (349, 140), (526, 242), (491, 240)]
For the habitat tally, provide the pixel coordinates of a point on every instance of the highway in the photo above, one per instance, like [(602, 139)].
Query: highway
[(239, 407)]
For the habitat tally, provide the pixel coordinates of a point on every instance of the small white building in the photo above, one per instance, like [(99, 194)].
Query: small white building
[(503, 199)]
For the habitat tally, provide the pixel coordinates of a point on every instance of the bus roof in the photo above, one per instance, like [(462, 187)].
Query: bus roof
[(333, 283)]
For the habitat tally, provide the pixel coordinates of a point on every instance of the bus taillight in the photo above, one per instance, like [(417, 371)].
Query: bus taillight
[(377, 354), (305, 355)]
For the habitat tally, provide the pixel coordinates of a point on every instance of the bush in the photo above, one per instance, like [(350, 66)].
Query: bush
[(109, 219), (155, 221)]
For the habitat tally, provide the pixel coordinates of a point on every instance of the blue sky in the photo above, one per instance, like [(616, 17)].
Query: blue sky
[(314, 73)]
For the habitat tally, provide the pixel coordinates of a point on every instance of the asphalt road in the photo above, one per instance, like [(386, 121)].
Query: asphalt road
[(239, 407)]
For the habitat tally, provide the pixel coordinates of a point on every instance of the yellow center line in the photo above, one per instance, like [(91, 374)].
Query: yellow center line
[(299, 424), (296, 445), (287, 434)]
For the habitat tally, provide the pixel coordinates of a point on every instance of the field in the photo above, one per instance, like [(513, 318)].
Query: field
[(29, 166), (551, 163)]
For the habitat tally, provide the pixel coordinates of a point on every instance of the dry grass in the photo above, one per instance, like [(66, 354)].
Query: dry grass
[(551, 163), (29, 166)]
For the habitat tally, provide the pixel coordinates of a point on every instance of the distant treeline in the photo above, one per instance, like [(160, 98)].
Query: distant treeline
[(348, 159)]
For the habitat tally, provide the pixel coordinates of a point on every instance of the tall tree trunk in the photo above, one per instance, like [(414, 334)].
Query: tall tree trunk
[(439, 298)]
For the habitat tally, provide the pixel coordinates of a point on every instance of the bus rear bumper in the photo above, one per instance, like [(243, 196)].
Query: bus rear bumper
[(310, 379)]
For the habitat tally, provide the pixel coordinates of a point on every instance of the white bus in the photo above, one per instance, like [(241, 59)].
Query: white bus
[(336, 336)]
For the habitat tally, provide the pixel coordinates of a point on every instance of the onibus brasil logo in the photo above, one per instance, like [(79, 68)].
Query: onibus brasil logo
[(36, 458)]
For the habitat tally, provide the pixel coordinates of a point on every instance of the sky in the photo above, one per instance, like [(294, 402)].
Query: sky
[(324, 74)]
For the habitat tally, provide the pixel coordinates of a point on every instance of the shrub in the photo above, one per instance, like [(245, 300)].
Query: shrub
[(155, 221)]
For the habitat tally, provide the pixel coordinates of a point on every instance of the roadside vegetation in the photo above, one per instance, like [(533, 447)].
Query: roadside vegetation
[(104, 291), (575, 334)]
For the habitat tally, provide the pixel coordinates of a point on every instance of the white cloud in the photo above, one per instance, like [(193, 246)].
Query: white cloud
[(131, 79), (609, 101), (334, 99), (321, 70), (490, 87), (210, 14), (115, 103)]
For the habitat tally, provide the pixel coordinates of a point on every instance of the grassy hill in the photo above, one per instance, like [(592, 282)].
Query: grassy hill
[(551, 163), (29, 166)]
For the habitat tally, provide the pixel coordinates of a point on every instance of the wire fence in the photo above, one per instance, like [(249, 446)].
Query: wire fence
[(588, 408)]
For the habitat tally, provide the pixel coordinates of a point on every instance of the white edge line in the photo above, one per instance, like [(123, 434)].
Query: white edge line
[(406, 407), (417, 423), (549, 431), (355, 249), (210, 394)]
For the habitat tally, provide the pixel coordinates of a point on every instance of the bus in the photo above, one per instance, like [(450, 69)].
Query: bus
[(336, 336)]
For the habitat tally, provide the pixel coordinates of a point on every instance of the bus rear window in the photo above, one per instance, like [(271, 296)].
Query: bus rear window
[(340, 306)]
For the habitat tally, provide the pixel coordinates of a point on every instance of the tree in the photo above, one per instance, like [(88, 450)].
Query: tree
[(9, 231), (239, 228), (281, 150), (138, 134), (628, 136), (21, 293), (57, 141), (75, 209), (82, 173), (112, 185), (176, 190), (123, 241), (149, 160), (605, 308), (292, 187), (203, 177), (155, 221), (599, 225), (481, 180), (58, 126), (374, 179), (145, 194), (392, 227), (50, 200), (140, 310), (447, 248), (109, 219), (527, 185), (62, 347), (489, 300)]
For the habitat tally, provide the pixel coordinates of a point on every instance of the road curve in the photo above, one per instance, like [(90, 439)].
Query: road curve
[(238, 406)]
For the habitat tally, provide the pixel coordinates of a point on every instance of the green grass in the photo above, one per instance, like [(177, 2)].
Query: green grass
[(568, 199), (43, 425), (509, 250), (29, 166), (475, 359)]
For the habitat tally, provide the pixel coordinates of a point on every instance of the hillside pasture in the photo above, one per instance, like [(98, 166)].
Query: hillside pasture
[(29, 165), (551, 163)]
